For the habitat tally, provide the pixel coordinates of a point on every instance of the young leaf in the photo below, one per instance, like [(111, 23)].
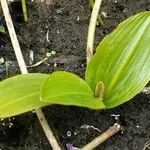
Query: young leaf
[(20, 94), (122, 61), (68, 89)]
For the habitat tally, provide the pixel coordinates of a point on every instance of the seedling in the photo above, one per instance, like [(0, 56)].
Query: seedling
[(116, 73)]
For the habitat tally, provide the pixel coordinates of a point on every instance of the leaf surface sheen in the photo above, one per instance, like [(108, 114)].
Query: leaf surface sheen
[(122, 61), (20, 94), (68, 89)]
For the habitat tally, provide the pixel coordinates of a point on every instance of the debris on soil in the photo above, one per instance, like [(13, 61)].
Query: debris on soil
[(31, 57), (146, 90), (85, 126)]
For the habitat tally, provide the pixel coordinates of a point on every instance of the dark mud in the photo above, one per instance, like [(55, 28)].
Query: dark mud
[(67, 23)]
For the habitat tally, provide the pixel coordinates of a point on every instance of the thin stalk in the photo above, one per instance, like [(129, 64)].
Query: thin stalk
[(103, 137), (24, 70), (24, 9), (91, 31), (100, 20)]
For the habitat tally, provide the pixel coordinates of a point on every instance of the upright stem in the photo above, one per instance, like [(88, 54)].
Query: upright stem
[(91, 2), (13, 37), (24, 70), (24, 9), (91, 31)]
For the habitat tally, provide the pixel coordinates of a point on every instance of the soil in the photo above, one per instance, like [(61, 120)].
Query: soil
[(67, 23)]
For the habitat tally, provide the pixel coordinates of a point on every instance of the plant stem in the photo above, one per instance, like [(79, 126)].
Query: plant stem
[(103, 137), (91, 31), (24, 9), (24, 70), (47, 130), (91, 2)]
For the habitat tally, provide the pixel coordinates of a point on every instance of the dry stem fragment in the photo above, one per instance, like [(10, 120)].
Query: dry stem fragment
[(103, 137)]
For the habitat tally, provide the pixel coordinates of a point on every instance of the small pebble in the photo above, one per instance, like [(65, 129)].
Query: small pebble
[(2, 60), (58, 31), (82, 65), (59, 11), (31, 57), (1, 119), (55, 65), (78, 18), (69, 133), (10, 125)]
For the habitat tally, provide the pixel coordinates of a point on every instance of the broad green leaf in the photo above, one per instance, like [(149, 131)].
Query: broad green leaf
[(68, 89), (122, 61), (20, 94)]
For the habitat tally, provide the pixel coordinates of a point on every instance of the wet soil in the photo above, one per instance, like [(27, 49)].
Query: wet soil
[(66, 24)]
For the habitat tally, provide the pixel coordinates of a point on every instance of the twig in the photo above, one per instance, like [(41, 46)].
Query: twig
[(147, 146), (103, 137), (24, 70), (91, 31), (38, 63)]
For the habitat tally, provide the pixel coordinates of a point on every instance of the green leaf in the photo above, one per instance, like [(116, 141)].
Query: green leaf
[(122, 61), (20, 94), (68, 89)]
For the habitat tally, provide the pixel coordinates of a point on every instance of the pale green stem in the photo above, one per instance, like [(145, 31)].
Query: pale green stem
[(91, 31), (100, 20), (24, 9)]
